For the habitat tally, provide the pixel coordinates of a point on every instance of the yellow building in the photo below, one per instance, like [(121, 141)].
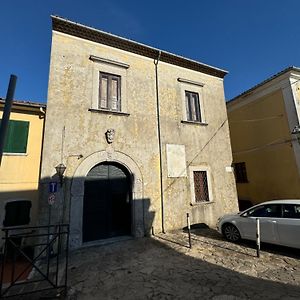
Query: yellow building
[(20, 167), (266, 154)]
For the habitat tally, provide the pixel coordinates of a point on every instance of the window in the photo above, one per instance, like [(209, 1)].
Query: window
[(266, 211), (109, 86), (201, 186), (16, 137), (192, 106), (291, 211), (110, 92), (240, 172), (17, 213)]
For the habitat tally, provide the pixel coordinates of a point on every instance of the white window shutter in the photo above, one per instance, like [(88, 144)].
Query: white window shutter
[(114, 94), (103, 89)]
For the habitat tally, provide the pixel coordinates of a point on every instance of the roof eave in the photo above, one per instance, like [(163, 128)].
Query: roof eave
[(249, 91), (75, 29)]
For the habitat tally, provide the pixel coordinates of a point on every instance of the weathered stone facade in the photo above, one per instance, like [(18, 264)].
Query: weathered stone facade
[(75, 132)]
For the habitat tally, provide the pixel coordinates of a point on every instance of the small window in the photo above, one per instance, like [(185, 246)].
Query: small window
[(265, 211), (16, 137), (192, 106), (17, 213), (201, 186), (110, 92), (240, 172), (291, 211)]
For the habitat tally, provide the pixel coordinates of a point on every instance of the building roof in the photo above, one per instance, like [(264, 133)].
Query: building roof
[(25, 104), (288, 69), (98, 36)]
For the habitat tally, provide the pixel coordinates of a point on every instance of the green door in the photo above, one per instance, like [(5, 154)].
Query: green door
[(107, 202)]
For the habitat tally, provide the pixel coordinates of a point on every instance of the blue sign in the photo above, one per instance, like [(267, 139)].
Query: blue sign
[(52, 187)]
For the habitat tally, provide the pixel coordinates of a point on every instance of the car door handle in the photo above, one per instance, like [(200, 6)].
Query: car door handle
[(273, 221)]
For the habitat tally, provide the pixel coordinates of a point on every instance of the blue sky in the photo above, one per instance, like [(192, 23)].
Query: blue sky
[(252, 39)]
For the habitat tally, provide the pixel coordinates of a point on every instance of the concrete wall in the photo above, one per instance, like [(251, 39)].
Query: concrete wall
[(72, 88), (261, 137)]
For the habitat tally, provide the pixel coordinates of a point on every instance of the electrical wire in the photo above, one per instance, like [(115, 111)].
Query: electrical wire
[(272, 144), (257, 120)]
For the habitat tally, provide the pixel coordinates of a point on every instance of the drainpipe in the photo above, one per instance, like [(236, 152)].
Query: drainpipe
[(156, 61)]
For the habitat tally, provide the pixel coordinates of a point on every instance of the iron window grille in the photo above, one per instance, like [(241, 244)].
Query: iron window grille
[(201, 186)]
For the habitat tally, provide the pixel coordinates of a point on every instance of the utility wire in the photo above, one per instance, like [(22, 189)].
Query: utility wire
[(272, 144), (257, 120)]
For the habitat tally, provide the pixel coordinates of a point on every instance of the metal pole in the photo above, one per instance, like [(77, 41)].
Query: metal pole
[(6, 112), (189, 229), (257, 237), (67, 259), (48, 240)]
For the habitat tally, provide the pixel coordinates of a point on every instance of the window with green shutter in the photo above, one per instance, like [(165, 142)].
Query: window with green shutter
[(16, 137)]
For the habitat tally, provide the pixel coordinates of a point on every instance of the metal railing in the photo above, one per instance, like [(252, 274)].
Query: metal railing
[(34, 259)]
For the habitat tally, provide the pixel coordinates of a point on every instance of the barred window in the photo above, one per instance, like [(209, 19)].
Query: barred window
[(17, 213), (110, 92), (240, 172), (201, 186)]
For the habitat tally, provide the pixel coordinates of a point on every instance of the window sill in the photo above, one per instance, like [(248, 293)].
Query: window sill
[(14, 154), (201, 203), (104, 111), (194, 123)]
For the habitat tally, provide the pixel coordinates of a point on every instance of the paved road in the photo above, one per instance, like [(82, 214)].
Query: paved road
[(163, 267)]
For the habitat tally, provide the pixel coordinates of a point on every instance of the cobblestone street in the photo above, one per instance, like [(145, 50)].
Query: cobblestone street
[(163, 267)]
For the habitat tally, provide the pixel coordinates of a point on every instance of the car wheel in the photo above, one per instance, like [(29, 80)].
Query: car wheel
[(231, 233)]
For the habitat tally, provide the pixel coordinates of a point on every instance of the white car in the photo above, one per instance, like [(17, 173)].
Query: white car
[(279, 223)]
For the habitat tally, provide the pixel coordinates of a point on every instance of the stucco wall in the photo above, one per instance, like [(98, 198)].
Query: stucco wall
[(71, 95), (19, 173), (271, 169)]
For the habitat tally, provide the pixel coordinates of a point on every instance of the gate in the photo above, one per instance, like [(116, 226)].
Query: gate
[(34, 259)]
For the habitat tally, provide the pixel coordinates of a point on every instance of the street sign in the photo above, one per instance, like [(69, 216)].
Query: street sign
[(52, 187), (51, 199)]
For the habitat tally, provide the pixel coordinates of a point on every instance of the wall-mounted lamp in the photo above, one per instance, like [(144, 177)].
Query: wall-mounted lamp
[(60, 170), (296, 132)]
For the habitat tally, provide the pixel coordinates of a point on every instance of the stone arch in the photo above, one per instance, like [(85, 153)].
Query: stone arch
[(77, 193)]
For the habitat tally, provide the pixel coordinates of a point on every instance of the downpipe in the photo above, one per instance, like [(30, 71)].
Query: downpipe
[(156, 61)]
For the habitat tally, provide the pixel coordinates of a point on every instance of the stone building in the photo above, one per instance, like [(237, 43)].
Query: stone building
[(143, 135)]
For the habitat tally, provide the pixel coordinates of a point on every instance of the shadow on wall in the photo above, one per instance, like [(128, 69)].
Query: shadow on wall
[(149, 268), (18, 208), (96, 206)]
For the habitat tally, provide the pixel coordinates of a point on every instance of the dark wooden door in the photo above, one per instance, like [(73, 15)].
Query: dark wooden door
[(107, 202)]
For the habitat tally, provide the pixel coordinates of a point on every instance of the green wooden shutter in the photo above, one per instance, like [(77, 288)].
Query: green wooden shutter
[(16, 137)]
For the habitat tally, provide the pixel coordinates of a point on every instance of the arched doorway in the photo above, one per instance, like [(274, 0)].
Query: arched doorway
[(107, 202)]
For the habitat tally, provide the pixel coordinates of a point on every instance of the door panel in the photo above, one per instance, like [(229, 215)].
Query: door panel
[(107, 202), (268, 232), (289, 226), (268, 216)]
